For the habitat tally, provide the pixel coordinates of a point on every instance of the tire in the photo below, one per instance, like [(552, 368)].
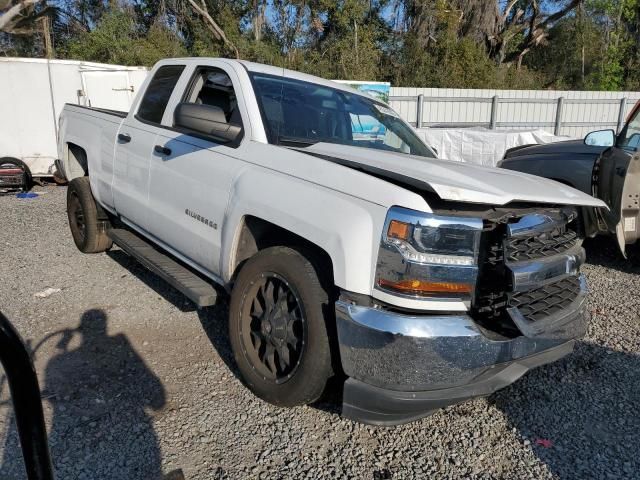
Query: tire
[(10, 161), (294, 281), (57, 178), (633, 253), (87, 220)]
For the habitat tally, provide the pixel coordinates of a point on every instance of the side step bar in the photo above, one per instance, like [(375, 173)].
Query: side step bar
[(196, 289)]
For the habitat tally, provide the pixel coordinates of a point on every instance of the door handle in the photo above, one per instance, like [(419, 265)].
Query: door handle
[(159, 149), (124, 137)]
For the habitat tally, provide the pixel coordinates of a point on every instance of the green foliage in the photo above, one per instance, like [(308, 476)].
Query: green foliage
[(118, 39), (420, 43)]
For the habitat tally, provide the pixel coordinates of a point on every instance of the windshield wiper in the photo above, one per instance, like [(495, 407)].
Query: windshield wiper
[(296, 141)]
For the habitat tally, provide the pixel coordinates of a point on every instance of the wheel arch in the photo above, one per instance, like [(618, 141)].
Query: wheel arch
[(256, 234), (76, 161)]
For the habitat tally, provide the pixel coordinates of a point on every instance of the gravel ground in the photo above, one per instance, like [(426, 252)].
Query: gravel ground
[(137, 383)]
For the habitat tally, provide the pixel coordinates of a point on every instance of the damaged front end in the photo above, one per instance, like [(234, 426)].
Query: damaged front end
[(528, 308), (529, 279)]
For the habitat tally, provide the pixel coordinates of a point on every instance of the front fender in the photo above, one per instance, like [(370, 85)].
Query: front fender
[(345, 227)]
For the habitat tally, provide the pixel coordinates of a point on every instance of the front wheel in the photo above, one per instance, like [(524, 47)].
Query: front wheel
[(278, 327)]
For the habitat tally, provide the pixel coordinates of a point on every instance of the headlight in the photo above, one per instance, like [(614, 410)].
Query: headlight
[(426, 255)]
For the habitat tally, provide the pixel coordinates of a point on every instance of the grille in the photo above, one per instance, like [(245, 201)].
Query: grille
[(544, 301), (494, 291), (545, 244)]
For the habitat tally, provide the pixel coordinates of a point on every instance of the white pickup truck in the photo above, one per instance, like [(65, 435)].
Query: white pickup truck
[(347, 248)]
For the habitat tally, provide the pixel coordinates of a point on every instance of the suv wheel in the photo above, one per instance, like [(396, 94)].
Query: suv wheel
[(278, 327)]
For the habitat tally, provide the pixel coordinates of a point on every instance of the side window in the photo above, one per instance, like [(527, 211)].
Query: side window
[(212, 86), (631, 134), (158, 93)]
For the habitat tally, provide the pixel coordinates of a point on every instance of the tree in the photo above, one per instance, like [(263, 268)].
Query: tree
[(591, 44), (15, 16), (202, 10), (508, 33), (118, 39)]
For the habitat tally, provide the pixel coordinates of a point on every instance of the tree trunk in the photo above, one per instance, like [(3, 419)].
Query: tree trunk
[(258, 19), (213, 26)]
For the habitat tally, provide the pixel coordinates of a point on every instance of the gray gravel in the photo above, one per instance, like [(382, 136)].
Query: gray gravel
[(138, 383)]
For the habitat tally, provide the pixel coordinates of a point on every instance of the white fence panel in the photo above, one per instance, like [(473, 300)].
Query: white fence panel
[(562, 112)]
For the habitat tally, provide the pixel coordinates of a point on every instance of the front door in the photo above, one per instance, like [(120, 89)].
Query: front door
[(617, 183), (191, 176)]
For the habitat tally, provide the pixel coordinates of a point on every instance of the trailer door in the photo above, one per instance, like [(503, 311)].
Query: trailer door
[(108, 89)]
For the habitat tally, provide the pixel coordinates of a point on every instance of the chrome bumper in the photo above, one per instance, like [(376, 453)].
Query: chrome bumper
[(405, 353)]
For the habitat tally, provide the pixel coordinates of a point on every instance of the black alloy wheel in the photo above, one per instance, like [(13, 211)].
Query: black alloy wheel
[(280, 325), (272, 328)]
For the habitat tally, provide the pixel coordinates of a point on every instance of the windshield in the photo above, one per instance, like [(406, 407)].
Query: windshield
[(298, 113)]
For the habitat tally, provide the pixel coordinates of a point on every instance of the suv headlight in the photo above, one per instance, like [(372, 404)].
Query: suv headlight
[(424, 255)]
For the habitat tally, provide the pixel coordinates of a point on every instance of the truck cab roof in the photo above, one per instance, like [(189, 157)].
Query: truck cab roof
[(254, 67)]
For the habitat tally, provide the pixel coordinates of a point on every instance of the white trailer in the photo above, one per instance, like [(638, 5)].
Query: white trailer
[(33, 92)]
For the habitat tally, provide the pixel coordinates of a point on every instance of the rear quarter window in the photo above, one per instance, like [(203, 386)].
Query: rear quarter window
[(158, 92)]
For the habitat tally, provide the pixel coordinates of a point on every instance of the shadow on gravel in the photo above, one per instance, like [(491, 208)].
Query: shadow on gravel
[(587, 407), (214, 321), (99, 388), (152, 281), (603, 251)]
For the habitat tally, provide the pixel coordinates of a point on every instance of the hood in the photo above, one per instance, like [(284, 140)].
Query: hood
[(569, 147), (455, 181)]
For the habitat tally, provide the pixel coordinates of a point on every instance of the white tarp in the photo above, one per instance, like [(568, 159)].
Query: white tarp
[(481, 145)]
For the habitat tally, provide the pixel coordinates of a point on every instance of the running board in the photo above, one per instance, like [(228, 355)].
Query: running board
[(196, 289)]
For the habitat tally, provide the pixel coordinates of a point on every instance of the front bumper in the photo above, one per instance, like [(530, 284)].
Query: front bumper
[(402, 367)]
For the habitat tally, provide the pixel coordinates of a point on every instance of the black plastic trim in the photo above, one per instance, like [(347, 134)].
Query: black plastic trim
[(116, 113), (378, 406), (190, 133)]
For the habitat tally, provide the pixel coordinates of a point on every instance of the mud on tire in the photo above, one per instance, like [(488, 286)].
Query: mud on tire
[(87, 221)]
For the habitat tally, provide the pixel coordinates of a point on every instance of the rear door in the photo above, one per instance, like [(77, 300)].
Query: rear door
[(617, 183), (135, 142)]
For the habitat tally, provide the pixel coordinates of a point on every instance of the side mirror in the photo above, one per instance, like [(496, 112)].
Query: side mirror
[(207, 120), (601, 138)]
